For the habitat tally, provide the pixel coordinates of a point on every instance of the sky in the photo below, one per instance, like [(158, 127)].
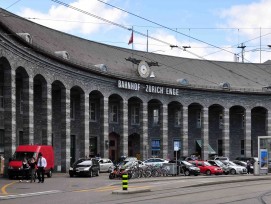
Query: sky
[(211, 29)]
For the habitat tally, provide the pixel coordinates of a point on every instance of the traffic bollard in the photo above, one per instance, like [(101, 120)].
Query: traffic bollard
[(125, 182)]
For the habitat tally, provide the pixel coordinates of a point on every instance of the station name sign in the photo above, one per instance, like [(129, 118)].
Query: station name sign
[(148, 88)]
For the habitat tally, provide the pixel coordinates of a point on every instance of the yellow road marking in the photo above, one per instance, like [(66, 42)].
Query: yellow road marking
[(3, 189)]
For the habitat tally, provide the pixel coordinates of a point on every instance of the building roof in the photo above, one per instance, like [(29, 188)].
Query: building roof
[(204, 74)]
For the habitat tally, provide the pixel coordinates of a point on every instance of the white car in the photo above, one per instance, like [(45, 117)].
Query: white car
[(234, 168), (105, 165), (155, 161)]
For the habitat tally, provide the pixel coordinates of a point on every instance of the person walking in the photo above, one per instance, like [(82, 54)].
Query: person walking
[(41, 164), (248, 167), (32, 165), (26, 168)]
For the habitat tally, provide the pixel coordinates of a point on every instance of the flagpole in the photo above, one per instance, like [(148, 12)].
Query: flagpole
[(133, 37)]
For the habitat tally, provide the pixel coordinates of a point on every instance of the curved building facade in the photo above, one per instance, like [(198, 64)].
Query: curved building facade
[(87, 98)]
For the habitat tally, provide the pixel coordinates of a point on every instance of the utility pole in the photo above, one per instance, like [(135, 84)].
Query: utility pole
[(243, 50)]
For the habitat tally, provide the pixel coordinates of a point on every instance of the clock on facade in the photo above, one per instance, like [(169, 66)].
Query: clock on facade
[(143, 69)]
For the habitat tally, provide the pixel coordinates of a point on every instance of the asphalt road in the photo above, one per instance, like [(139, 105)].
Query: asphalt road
[(201, 189)]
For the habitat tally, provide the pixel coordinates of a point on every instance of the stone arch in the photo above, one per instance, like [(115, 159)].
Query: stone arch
[(237, 126), (259, 127)]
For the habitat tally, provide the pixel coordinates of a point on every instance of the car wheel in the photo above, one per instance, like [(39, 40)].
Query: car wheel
[(208, 172), (98, 173), (187, 173), (71, 174), (232, 171), (10, 177), (49, 174)]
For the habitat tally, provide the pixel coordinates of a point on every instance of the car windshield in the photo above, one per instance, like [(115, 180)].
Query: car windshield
[(232, 164), (207, 163), (219, 163), (86, 163), (187, 163), (19, 156)]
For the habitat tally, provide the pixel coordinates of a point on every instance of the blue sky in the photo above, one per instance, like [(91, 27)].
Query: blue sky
[(205, 26)]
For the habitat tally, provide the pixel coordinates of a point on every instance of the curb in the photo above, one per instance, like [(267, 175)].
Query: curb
[(132, 191)]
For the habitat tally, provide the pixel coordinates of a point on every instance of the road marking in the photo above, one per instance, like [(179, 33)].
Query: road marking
[(3, 189), (29, 194)]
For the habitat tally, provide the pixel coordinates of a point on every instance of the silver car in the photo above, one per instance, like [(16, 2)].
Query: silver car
[(105, 165), (234, 168)]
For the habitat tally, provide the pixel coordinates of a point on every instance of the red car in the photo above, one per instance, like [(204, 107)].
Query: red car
[(207, 168)]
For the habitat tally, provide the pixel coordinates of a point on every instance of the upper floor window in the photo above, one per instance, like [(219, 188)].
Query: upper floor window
[(221, 121), (114, 113), (178, 118), (1, 97), (92, 111), (72, 114), (198, 119), (155, 116), (135, 115)]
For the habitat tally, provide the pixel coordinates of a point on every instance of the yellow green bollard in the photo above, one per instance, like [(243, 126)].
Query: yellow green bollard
[(125, 182)]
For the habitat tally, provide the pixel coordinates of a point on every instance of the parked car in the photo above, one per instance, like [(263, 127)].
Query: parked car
[(186, 168), (220, 164), (106, 165), (244, 164), (221, 158), (85, 167), (245, 159), (155, 161), (234, 168), (207, 168)]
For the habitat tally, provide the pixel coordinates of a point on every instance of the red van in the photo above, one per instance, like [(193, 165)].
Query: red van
[(15, 167)]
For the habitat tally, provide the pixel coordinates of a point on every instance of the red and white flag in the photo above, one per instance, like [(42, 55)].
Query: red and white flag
[(131, 38)]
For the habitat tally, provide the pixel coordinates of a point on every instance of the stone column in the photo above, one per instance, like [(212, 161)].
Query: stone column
[(144, 137), (124, 125), (9, 115), (65, 130), (184, 132), (268, 123), (84, 135), (105, 128), (47, 114), (248, 133), (226, 133), (164, 130), (28, 111), (205, 134)]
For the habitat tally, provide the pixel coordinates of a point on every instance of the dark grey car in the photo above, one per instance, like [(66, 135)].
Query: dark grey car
[(85, 167)]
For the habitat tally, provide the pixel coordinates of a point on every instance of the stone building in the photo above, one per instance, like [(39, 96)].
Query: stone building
[(87, 98)]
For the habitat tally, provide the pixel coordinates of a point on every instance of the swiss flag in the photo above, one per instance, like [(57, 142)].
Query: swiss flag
[(131, 38)]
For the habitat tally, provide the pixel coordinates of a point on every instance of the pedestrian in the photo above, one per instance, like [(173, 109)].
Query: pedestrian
[(32, 164), (248, 167), (41, 164), (25, 170)]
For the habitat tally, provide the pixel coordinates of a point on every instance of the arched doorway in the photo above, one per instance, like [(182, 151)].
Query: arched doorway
[(134, 145), (114, 143)]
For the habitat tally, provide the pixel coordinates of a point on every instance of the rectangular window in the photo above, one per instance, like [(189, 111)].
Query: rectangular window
[(155, 147), (135, 115), (220, 147), (155, 116), (114, 113), (221, 122), (178, 118), (242, 147), (1, 141), (72, 113), (1, 97), (198, 119), (92, 111)]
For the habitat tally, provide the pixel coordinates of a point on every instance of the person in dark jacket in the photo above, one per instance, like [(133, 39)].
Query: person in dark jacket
[(32, 164)]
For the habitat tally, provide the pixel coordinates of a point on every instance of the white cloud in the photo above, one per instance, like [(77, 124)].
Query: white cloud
[(69, 20)]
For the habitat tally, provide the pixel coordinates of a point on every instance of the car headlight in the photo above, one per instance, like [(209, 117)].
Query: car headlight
[(71, 169), (216, 169), (86, 169)]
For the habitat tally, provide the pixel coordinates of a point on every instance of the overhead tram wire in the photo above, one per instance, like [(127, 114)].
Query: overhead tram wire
[(126, 28)]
